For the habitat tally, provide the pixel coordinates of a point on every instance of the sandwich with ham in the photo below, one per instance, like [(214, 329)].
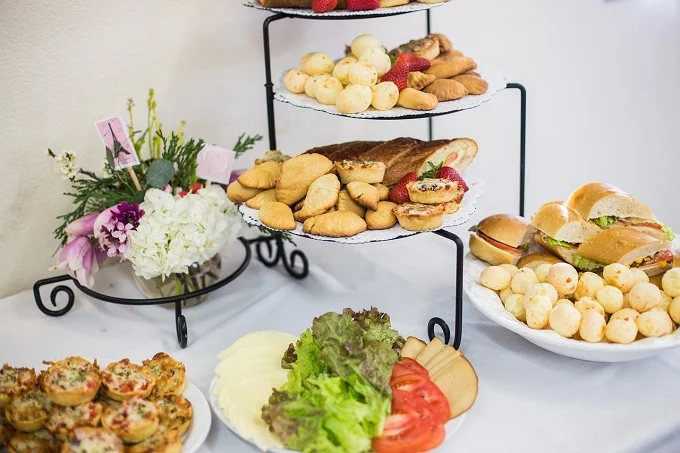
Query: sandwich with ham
[(627, 246), (501, 239), (610, 207)]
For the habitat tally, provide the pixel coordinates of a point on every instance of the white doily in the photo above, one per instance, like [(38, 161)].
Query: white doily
[(467, 208), (496, 81), (300, 12)]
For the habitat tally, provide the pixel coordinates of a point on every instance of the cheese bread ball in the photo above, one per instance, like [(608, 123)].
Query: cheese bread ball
[(621, 330), (341, 69), (510, 268), (592, 326), (654, 323), (620, 276), (524, 278), (586, 304), (310, 84), (495, 277), (565, 319), (538, 311), (588, 285), (611, 298), (671, 282), (515, 306), (326, 90), (665, 301), (505, 293), (316, 63), (564, 301), (563, 277), (364, 42), (294, 81), (674, 310), (363, 73), (639, 275), (625, 313), (626, 300), (543, 289), (378, 59), (385, 95), (644, 296), (542, 271), (354, 99)]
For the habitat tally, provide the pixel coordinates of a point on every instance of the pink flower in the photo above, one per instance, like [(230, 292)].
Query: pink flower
[(112, 228), (235, 174), (80, 259), (84, 226)]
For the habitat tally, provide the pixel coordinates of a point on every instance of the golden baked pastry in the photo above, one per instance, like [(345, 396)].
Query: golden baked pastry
[(419, 217), (261, 198), (263, 176), (473, 73), (277, 215), (345, 203), (133, 421), (383, 191), (40, 441), (383, 217), (63, 419), (430, 1), (391, 3), (445, 44), (446, 56), (92, 440), (162, 441), (446, 89), (170, 374), (321, 195), (6, 430), (123, 380), (417, 100), (452, 67), (298, 206), (473, 84), (433, 191), (14, 381), (364, 194), (28, 411), (273, 155), (425, 48), (176, 413), (335, 224), (418, 80), (238, 194), (71, 381), (365, 171), (450, 207), (298, 173)]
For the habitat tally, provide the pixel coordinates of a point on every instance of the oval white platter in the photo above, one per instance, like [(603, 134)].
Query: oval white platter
[(490, 305), (301, 12), (451, 426), (496, 80), (467, 208)]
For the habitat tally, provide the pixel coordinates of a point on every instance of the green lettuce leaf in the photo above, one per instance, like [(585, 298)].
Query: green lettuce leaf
[(605, 220), (378, 325), (555, 243), (586, 264), (667, 230)]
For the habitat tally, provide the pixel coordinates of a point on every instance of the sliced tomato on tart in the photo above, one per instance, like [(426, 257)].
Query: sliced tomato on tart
[(123, 379), (71, 381)]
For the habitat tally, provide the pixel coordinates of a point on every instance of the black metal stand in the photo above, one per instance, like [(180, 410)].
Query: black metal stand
[(273, 257)]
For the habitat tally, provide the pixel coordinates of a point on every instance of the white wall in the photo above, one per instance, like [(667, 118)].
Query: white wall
[(602, 80)]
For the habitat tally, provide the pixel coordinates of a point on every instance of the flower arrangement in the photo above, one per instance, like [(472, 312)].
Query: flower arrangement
[(158, 215)]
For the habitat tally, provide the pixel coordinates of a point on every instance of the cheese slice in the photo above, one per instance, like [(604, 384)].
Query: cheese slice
[(430, 351), (412, 347), (458, 382), (447, 352), (261, 337)]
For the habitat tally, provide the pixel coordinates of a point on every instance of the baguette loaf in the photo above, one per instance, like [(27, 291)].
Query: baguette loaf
[(295, 4)]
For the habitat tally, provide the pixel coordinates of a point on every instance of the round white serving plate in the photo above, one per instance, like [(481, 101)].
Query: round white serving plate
[(490, 305), (451, 426), (467, 208), (340, 14)]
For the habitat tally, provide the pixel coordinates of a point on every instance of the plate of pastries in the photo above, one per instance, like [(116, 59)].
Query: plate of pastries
[(595, 277), (80, 405), (361, 191), (340, 8), (370, 81)]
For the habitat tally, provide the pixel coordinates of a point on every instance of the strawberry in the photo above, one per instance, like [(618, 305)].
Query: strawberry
[(412, 62), (362, 5), (452, 175), (399, 194), (407, 178), (323, 6), (398, 75), (195, 187)]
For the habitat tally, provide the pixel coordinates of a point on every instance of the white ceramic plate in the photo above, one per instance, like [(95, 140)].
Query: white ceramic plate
[(300, 12), (467, 208), (489, 304), (451, 426)]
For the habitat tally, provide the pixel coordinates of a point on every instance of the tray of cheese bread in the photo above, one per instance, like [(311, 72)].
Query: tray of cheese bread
[(361, 191)]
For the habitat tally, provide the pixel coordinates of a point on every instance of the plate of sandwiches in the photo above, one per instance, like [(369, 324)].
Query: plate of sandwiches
[(596, 277), (359, 192), (304, 7), (80, 405)]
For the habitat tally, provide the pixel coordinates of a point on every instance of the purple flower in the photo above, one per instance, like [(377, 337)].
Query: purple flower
[(84, 226), (112, 228), (235, 174), (80, 258)]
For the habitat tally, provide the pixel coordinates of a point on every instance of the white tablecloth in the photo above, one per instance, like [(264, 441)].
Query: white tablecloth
[(530, 400)]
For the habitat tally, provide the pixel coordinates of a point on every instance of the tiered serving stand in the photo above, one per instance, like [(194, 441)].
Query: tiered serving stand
[(296, 263)]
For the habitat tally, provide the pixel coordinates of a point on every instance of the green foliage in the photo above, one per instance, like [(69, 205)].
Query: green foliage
[(284, 235), (184, 156), (160, 173), (245, 143), (432, 171)]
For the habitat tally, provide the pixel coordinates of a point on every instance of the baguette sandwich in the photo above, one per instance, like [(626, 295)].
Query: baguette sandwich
[(501, 239), (609, 207)]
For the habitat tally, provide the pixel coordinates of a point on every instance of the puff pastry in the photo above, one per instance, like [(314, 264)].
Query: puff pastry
[(383, 217), (261, 198), (238, 194), (321, 195), (277, 215), (345, 203), (433, 191), (418, 80), (474, 84), (263, 176), (452, 68), (335, 224), (445, 44), (448, 56), (365, 171), (364, 194), (446, 89), (383, 191), (298, 173), (419, 217), (450, 207), (417, 100)]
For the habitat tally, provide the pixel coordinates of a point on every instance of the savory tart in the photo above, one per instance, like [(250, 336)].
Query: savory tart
[(40, 441), (28, 411), (71, 381), (371, 172), (450, 207), (133, 421), (92, 440), (176, 413), (63, 420), (6, 430), (433, 191), (419, 217), (162, 441), (171, 376), (123, 380), (14, 381)]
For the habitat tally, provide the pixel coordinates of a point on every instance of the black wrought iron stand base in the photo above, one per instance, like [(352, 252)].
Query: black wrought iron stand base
[(274, 256)]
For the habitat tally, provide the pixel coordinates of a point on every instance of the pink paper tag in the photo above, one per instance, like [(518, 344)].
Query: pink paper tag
[(114, 134), (215, 164)]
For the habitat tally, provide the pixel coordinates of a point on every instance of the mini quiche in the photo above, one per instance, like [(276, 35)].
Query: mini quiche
[(92, 440), (63, 420), (369, 172), (71, 381), (133, 421), (419, 217), (28, 411), (123, 380), (6, 430), (176, 413), (40, 441), (433, 191), (163, 441), (171, 376), (14, 381)]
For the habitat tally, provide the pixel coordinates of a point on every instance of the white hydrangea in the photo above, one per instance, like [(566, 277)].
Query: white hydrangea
[(66, 164), (175, 232)]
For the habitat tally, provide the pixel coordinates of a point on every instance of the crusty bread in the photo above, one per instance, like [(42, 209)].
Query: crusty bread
[(487, 252), (509, 229), (342, 151), (562, 223), (533, 260), (620, 245), (600, 199), (286, 3), (565, 253), (390, 150)]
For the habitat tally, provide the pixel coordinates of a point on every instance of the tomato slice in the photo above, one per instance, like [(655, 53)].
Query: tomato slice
[(409, 382), (428, 402), (412, 437), (408, 366)]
